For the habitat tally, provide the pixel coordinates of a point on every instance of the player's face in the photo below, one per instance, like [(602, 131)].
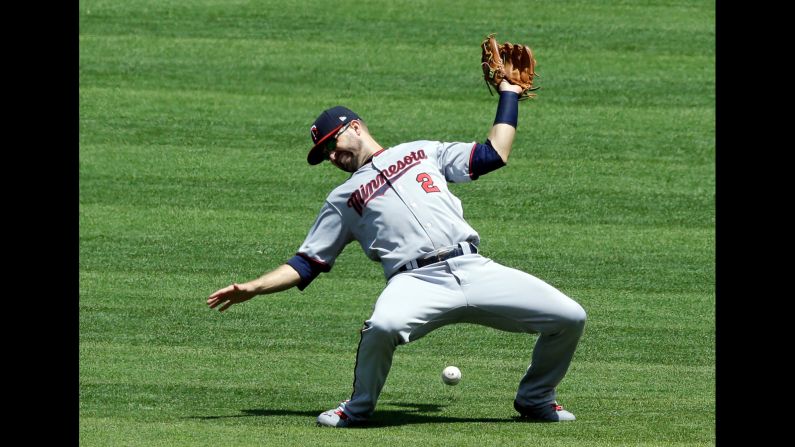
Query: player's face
[(343, 152), (331, 145)]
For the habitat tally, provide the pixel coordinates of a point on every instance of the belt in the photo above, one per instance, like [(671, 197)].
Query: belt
[(442, 254)]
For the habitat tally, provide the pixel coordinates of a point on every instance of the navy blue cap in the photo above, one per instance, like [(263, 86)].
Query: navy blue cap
[(325, 126)]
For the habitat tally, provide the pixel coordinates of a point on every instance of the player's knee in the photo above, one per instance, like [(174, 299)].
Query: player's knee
[(570, 318), (383, 327), (575, 317)]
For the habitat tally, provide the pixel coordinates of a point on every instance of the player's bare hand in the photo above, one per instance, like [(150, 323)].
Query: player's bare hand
[(505, 85), (228, 296)]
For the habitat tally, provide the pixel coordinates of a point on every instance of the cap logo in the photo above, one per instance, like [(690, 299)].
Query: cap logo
[(343, 118), (313, 132)]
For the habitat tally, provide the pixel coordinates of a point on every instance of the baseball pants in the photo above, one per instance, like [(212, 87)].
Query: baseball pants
[(468, 289)]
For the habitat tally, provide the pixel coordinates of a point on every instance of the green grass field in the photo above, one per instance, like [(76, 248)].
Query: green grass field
[(194, 128)]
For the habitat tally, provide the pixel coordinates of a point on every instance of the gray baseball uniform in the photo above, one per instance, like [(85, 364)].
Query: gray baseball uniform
[(399, 208)]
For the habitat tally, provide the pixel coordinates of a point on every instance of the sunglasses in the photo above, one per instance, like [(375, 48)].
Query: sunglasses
[(331, 144)]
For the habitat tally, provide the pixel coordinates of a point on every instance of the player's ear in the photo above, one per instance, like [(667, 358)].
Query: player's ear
[(357, 126)]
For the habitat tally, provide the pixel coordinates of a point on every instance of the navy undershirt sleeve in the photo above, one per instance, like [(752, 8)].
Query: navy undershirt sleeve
[(306, 269), (484, 160), (507, 109), (484, 157)]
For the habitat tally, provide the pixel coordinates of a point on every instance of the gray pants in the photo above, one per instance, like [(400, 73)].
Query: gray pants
[(468, 289)]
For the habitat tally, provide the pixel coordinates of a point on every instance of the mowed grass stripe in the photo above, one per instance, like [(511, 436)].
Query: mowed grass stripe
[(575, 24), (230, 122), (141, 54), (642, 260)]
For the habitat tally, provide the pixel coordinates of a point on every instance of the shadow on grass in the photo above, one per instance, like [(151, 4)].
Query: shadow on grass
[(414, 414)]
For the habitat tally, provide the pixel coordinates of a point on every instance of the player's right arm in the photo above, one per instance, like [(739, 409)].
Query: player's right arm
[(325, 241), (281, 278)]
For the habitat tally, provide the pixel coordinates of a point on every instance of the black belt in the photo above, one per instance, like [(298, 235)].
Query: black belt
[(442, 254)]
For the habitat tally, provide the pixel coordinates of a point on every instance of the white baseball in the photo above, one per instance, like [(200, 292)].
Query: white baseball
[(451, 375)]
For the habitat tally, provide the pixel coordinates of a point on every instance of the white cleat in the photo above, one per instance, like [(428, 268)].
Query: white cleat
[(335, 417)]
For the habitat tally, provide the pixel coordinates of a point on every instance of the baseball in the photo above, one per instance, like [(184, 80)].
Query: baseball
[(451, 375)]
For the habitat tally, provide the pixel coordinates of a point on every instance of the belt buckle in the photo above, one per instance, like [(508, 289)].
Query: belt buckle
[(441, 254)]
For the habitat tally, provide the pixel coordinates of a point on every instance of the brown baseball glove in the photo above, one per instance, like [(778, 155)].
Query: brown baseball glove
[(514, 63)]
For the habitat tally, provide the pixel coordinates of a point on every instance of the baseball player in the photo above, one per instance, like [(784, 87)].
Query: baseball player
[(397, 206)]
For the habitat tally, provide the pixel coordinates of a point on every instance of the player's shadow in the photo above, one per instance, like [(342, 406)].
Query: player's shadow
[(413, 414)]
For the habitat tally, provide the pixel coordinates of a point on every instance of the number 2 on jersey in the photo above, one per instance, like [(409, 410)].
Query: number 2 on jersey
[(427, 183)]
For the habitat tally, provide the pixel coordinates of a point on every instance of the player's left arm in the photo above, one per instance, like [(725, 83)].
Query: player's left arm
[(494, 152), (462, 163), (503, 131)]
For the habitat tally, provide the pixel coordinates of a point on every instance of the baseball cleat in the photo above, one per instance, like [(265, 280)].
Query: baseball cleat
[(335, 417), (551, 412)]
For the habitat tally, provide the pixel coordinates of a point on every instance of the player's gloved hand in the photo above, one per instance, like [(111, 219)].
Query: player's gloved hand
[(512, 62), (228, 296)]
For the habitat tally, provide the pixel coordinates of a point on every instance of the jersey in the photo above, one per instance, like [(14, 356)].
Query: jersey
[(397, 206)]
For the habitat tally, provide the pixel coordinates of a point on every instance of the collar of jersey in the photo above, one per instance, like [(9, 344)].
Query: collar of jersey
[(369, 160)]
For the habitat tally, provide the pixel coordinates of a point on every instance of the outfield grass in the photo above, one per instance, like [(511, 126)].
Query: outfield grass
[(194, 119)]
